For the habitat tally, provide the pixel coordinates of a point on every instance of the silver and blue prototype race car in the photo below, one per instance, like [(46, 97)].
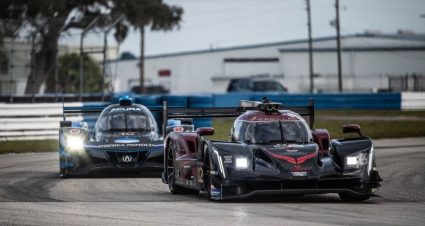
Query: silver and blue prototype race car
[(125, 137)]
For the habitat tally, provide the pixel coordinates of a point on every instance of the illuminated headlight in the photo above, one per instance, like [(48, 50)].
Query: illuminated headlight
[(357, 160), (74, 143), (241, 163)]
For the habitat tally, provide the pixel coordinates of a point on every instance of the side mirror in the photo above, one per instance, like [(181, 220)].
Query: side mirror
[(352, 128), (84, 125), (205, 131)]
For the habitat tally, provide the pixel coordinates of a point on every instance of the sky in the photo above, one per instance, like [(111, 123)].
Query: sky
[(210, 24)]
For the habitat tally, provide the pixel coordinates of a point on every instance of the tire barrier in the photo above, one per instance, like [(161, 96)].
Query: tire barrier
[(205, 101), (41, 120)]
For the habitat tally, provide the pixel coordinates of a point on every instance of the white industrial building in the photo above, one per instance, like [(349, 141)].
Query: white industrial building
[(369, 62)]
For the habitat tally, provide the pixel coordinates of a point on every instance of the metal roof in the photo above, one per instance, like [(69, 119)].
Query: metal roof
[(297, 45)]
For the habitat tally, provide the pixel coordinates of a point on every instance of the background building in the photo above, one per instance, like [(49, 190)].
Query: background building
[(370, 62)]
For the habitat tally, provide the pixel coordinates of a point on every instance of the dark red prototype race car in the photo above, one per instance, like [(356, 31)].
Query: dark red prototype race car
[(271, 151)]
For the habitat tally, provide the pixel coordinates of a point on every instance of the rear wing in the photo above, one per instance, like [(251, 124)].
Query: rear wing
[(172, 113)]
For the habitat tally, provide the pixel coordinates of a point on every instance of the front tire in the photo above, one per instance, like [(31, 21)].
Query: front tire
[(63, 173), (207, 178), (174, 188)]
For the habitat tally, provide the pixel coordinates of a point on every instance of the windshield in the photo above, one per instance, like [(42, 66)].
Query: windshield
[(267, 86), (273, 132), (124, 121)]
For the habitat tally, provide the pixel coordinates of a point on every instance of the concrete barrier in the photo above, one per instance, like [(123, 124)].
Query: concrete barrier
[(412, 101)]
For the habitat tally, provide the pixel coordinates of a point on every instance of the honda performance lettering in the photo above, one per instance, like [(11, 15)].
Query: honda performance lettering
[(130, 145)]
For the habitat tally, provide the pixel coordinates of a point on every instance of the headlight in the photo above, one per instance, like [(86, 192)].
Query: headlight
[(356, 160), (241, 163), (74, 143), (370, 164)]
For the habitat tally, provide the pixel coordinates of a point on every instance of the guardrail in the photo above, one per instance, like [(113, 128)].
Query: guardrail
[(41, 120), (412, 101), (34, 121)]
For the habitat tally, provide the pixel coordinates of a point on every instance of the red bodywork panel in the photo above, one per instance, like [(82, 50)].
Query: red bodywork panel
[(186, 151), (322, 138), (299, 160)]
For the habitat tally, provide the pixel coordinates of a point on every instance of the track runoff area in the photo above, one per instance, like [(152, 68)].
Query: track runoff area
[(31, 193)]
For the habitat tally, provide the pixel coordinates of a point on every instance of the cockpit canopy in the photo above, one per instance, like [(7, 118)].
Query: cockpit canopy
[(272, 129), (134, 118)]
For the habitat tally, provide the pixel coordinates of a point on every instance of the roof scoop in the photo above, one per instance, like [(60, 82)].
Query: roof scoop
[(265, 105), (125, 101)]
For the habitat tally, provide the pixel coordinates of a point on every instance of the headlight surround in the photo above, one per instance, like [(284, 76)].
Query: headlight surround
[(356, 160), (230, 160)]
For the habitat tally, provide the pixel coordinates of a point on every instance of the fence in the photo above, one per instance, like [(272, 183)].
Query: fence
[(41, 120)]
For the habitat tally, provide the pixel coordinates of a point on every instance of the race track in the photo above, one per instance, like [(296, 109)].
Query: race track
[(32, 194)]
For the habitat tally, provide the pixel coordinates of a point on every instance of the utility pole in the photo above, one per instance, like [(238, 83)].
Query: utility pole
[(142, 60), (338, 46), (83, 34), (105, 49), (310, 47)]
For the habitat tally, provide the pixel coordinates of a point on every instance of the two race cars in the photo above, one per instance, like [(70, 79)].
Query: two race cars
[(272, 150)]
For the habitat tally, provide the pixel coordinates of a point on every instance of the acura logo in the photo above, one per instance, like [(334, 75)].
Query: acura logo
[(126, 158)]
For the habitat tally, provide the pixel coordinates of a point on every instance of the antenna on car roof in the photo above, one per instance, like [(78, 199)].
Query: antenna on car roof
[(266, 100)]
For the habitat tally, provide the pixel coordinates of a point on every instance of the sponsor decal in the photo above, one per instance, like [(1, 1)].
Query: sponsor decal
[(126, 109), (292, 150), (126, 158), (215, 192), (74, 131), (125, 145), (273, 118), (299, 174), (178, 129), (298, 168), (262, 118)]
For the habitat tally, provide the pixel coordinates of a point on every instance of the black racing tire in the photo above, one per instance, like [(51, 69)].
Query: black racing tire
[(206, 173), (353, 198), (170, 176), (63, 173)]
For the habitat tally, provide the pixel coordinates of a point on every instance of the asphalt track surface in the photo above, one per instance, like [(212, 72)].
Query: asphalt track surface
[(32, 194)]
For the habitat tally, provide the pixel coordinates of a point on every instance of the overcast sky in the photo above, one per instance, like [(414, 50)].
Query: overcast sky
[(223, 23)]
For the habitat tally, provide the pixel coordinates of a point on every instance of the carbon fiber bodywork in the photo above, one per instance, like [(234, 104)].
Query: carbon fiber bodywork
[(317, 175), (307, 163)]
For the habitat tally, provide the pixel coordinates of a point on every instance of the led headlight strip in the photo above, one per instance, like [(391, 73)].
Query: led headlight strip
[(220, 162), (369, 166)]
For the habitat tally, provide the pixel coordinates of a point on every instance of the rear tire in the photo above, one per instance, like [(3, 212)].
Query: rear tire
[(174, 188), (353, 198)]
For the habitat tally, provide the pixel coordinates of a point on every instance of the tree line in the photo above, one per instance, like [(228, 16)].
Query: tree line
[(44, 21)]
